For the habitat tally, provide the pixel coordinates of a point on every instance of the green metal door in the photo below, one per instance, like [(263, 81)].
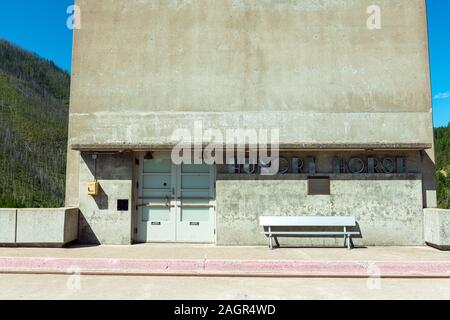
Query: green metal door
[(157, 214), (195, 204), (176, 203)]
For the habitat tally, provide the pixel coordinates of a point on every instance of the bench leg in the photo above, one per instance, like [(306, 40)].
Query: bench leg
[(276, 242), (345, 237), (349, 242), (270, 239)]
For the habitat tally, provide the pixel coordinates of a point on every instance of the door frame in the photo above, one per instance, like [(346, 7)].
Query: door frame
[(176, 172)]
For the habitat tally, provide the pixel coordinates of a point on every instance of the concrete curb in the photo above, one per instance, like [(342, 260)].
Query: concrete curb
[(272, 268)]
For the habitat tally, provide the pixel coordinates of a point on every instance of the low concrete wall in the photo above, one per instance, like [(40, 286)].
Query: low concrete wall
[(8, 225), (388, 208), (38, 227), (437, 228)]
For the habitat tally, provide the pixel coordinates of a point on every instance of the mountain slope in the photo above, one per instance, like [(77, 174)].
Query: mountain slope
[(34, 96)]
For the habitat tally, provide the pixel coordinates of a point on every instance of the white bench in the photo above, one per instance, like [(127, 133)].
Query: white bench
[(268, 223)]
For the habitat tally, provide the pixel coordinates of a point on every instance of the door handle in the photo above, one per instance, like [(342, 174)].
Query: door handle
[(150, 205), (193, 205)]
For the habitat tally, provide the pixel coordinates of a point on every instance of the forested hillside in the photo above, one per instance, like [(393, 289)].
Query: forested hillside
[(34, 95), (442, 141)]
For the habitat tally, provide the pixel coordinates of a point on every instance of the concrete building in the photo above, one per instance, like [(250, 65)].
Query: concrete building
[(346, 85)]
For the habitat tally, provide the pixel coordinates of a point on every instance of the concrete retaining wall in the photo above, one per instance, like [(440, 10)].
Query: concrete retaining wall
[(437, 228), (388, 209), (47, 227), (8, 225)]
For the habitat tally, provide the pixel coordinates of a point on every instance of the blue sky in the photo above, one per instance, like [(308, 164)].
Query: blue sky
[(439, 42), (40, 26)]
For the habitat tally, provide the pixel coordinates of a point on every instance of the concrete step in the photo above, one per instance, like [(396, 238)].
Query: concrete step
[(206, 267)]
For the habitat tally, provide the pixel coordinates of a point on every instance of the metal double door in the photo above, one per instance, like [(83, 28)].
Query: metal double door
[(176, 202)]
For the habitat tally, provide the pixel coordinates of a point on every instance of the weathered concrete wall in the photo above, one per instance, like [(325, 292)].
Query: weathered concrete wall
[(437, 228), (55, 227), (144, 68), (101, 222), (311, 69), (8, 226), (72, 178), (71, 220), (428, 170), (387, 208)]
